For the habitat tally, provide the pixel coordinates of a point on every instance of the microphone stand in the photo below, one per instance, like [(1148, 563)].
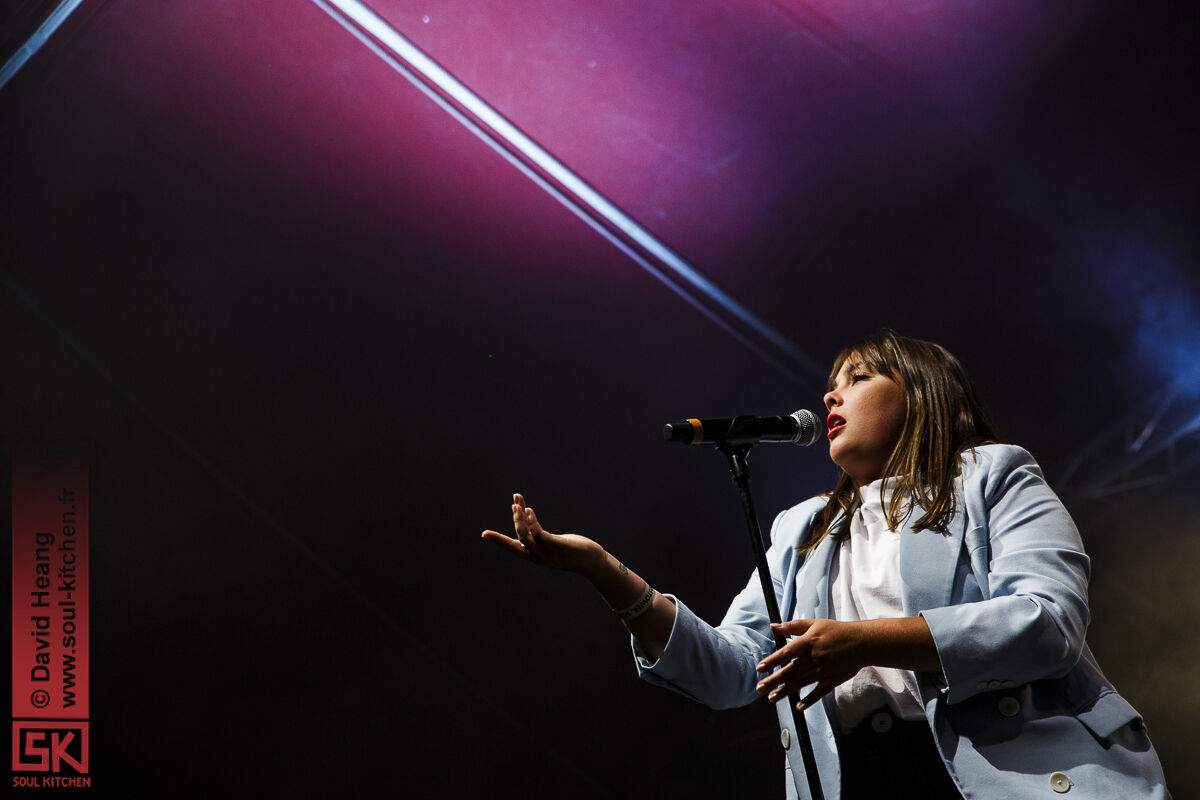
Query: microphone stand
[(737, 451)]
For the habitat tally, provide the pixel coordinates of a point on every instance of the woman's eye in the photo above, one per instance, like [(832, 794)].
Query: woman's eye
[(856, 378)]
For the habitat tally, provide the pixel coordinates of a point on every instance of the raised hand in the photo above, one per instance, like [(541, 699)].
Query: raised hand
[(565, 551)]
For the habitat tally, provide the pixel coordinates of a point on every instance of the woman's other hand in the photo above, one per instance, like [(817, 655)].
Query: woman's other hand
[(826, 652), (566, 551)]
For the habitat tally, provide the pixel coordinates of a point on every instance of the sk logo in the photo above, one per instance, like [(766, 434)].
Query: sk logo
[(47, 746)]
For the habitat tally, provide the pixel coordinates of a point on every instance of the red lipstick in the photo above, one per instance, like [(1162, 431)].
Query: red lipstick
[(834, 423)]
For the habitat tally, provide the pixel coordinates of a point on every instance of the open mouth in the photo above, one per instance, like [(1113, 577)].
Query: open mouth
[(835, 424)]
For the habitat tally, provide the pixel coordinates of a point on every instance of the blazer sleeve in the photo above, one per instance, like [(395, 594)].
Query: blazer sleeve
[(716, 665), (1034, 622)]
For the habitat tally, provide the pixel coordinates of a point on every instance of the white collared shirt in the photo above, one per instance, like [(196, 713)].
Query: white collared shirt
[(866, 585)]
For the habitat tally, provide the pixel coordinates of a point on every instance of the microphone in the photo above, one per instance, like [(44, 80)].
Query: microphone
[(800, 427)]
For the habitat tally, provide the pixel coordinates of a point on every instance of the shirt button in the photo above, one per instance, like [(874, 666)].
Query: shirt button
[(1060, 783), (1010, 707), (785, 738), (881, 722)]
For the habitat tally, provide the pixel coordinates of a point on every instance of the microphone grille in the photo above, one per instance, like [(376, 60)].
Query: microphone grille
[(809, 427)]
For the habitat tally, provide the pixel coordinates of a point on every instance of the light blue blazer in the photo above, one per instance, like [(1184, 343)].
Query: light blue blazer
[(1003, 589)]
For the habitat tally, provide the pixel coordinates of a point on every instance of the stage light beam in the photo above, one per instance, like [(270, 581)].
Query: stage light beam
[(34, 43), (409, 61)]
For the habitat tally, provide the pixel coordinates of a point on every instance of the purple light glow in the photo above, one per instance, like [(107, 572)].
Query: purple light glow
[(710, 126)]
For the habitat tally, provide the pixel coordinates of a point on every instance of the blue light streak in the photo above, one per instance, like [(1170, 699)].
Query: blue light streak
[(35, 42), (491, 126)]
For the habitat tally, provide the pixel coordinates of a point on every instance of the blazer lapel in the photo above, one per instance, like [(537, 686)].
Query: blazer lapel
[(812, 592), (928, 561)]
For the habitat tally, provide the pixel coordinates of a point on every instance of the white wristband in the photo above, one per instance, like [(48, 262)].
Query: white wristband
[(639, 607)]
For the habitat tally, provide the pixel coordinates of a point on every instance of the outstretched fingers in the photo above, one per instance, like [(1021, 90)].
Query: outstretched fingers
[(536, 536), (790, 677), (519, 525), (823, 688), (531, 522), (523, 545)]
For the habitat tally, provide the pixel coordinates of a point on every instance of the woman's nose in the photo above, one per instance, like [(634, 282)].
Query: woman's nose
[(830, 400)]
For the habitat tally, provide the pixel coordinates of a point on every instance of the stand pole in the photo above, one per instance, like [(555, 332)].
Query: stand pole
[(739, 468)]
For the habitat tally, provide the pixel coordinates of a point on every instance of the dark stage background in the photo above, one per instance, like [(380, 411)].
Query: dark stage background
[(315, 333)]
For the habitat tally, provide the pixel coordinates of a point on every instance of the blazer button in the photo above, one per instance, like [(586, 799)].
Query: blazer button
[(1009, 706), (881, 722), (785, 738), (1060, 783)]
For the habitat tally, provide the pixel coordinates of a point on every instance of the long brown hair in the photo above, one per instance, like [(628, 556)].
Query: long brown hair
[(943, 419)]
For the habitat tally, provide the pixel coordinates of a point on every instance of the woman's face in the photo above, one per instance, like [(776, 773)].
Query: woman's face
[(866, 415)]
